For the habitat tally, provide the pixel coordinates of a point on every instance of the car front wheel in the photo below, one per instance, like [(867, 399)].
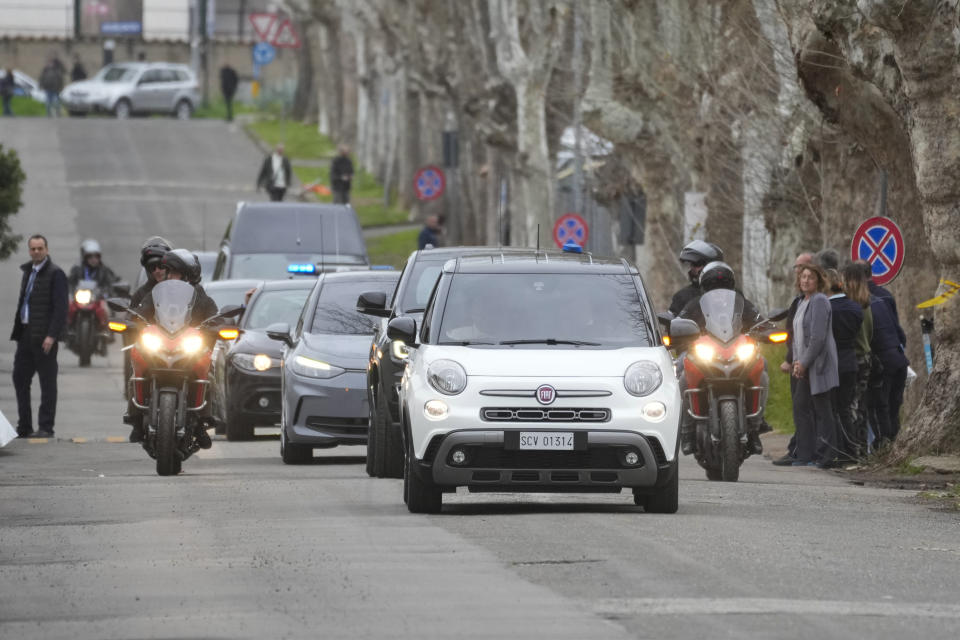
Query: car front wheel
[(122, 110), (422, 495), (184, 110)]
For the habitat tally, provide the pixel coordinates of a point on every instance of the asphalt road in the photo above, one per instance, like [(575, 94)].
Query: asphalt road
[(93, 544)]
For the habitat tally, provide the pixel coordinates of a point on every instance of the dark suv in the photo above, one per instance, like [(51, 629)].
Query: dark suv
[(387, 357)]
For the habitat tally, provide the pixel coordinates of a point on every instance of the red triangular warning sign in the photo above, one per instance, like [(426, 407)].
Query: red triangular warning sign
[(262, 23), (286, 37)]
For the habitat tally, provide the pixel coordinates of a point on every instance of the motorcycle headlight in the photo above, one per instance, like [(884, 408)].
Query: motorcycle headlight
[(151, 341), (83, 296), (447, 377), (746, 351), (311, 368), (642, 378), (400, 350), (704, 351), (191, 344)]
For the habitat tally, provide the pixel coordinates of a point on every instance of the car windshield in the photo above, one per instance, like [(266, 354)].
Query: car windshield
[(283, 305), (224, 295), (421, 282), (117, 74), (337, 307), (544, 310)]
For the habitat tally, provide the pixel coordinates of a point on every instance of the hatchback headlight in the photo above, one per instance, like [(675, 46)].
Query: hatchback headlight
[(642, 378), (258, 362), (83, 296), (311, 368), (447, 377)]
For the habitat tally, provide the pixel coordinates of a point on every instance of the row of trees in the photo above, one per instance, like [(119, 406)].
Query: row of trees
[(791, 122)]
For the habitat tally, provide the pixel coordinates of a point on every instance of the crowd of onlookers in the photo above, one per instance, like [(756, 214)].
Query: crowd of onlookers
[(845, 356)]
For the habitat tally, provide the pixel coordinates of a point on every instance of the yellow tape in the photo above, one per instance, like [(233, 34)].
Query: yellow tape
[(943, 297)]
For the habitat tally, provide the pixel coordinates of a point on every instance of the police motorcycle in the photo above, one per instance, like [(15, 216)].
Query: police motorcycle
[(725, 374), (171, 361), (87, 319)]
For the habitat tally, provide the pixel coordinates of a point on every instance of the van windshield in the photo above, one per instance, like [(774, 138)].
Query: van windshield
[(276, 266), (298, 230)]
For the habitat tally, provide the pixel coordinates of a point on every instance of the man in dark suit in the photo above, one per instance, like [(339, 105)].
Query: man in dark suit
[(41, 316), (228, 87)]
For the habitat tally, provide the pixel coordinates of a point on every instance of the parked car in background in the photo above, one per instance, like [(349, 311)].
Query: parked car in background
[(270, 240), (388, 357), (24, 85), (131, 88), (246, 372), (324, 370)]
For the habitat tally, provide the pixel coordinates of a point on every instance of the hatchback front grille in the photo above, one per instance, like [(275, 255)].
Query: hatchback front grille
[(496, 458), (339, 426), (533, 414)]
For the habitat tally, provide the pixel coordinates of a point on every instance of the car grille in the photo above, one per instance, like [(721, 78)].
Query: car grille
[(534, 414), (495, 458), (340, 426)]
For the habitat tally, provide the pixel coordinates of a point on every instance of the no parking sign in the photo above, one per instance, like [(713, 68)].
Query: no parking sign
[(879, 242), (569, 227), (429, 183)]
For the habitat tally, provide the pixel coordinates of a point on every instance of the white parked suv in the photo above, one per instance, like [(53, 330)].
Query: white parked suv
[(538, 373), (129, 88)]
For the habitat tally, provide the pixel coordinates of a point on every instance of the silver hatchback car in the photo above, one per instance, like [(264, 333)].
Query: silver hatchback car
[(129, 88)]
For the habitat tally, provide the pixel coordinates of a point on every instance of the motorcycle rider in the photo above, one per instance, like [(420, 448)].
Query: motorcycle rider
[(694, 256), (151, 253), (719, 275), (91, 267), (179, 264)]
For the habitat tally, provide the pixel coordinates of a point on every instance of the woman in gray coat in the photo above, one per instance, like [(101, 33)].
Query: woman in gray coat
[(814, 365)]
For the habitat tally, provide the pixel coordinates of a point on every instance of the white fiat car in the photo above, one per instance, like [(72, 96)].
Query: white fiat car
[(538, 373)]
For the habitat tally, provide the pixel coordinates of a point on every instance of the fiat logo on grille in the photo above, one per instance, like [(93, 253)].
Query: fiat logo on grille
[(546, 394)]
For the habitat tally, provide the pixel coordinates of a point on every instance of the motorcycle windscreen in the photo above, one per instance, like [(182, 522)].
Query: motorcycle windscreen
[(87, 284), (173, 304), (721, 313)]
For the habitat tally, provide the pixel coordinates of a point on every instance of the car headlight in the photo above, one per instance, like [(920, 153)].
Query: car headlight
[(642, 378), (83, 296), (311, 368), (746, 350), (400, 350), (254, 362), (447, 377), (704, 351), (192, 343), (151, 341)]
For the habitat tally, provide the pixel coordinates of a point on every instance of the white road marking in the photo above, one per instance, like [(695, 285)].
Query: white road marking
[(772, 606)]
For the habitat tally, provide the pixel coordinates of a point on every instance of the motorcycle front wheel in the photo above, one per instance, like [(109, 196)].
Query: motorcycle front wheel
[(168, 458), (85, 340), (729, 442)]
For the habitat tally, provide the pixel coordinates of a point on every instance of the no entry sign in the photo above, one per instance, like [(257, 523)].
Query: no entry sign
[(568, 227), (879, 242), (429, 183)]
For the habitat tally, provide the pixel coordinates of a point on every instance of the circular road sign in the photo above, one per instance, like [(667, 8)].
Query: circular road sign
[(568, 227), (429, 183), (263, 53), (879, 242)]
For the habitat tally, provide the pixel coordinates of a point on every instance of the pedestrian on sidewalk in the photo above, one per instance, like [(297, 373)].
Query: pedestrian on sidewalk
[(8, 87), (429, 237), (51, 81), (228, 87), (847, 318), (341, 175), (855, 286), (275, 174), (79, 72), (41, 316)]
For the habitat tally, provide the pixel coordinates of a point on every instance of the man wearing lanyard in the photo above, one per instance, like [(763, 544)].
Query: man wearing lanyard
[(40, 319)]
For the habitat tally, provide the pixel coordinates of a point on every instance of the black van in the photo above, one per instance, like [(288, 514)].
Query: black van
[(275, 240)]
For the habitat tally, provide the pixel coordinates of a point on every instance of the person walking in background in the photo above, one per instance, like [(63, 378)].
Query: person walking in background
[(79, 72), (275, 174), (813, 358), (429, 237), (51, 81), (228, 87), (41, 316), (855, 286), (341, 175), (785, 366), (847, 318), (8, 87)]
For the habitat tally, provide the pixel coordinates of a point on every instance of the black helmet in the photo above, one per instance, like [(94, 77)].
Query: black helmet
[(153, 249), (698, 253), (89, 247), (183, 262), (717, 275)]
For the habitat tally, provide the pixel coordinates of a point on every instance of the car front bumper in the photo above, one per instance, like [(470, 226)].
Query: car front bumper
[(328, 412), (254, 395)]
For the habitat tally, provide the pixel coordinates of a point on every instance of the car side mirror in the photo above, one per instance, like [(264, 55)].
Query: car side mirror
[(280, 331), (664, 317), (121, 289), (404, 329), (682, 331), (230, 311), (119, 304), (373, 303)]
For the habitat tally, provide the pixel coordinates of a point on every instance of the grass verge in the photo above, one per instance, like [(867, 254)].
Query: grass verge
[(299, 140), (948, 498), (392, 249), (779, 412)]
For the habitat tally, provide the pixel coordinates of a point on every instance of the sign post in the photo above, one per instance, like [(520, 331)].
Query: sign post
[(879, 242)]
